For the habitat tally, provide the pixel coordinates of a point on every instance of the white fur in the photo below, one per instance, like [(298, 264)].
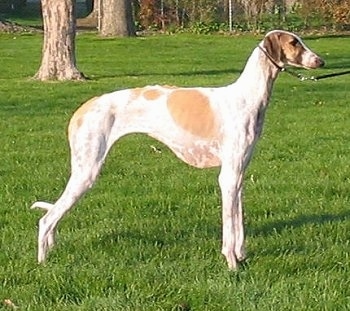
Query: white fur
[(232, 123)]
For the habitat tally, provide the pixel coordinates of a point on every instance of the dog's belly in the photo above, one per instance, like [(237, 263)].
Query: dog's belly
[(198, 153)]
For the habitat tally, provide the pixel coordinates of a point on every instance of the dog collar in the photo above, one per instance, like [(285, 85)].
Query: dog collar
[(271, 59)]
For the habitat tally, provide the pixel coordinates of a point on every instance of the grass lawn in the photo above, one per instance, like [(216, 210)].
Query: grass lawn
[(148, 235)]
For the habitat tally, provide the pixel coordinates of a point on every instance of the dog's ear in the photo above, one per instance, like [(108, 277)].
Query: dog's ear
[(273, 46)]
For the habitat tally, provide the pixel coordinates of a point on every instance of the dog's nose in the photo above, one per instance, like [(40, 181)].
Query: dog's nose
[(320, 62)]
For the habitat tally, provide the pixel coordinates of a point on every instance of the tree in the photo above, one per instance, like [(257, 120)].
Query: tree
[(117, 18), (58, 51)]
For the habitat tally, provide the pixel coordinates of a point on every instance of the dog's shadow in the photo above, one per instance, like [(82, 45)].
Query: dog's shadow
[(297, 222), (148, 243), (157, 239)]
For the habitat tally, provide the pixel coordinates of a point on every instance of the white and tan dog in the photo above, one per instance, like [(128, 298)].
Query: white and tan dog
[(205, 127)]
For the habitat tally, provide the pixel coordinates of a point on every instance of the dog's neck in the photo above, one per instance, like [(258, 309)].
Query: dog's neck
[(258, 76)]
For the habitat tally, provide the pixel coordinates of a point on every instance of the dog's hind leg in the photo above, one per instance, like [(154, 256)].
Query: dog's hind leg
[(87, 155)]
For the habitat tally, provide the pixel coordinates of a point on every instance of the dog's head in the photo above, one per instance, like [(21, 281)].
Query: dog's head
[(286, 48)]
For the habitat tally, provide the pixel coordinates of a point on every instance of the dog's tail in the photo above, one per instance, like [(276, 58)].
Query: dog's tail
[(43, 205)]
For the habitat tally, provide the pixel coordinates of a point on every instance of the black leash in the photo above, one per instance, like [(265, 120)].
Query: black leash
[(299, 75), (317, 78)]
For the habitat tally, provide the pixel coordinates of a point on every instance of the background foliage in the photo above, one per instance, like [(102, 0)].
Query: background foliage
[(247, 15), (204, 16)]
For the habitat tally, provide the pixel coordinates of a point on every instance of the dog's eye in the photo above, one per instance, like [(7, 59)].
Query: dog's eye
[(294, 42)]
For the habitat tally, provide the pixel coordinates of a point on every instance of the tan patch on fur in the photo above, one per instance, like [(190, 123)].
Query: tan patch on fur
[(272, 46), (135, 93), (292, 48), (284, 46), (79, 122), (78, 117), (152, 94), (191, 110), (201, 157)]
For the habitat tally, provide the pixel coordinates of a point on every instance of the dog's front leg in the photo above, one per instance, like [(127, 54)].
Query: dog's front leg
[(230, 181), (239, 227)]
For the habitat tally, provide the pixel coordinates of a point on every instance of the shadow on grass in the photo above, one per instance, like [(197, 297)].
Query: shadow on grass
[(328, 36), (279, 226), (177, 74), (160, 238), (338, 65)]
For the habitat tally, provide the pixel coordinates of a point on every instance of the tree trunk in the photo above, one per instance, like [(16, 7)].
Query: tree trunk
[(58, 52), (117, 18)]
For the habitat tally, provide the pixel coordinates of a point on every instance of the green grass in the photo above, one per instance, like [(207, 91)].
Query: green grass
[(147, 236)]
